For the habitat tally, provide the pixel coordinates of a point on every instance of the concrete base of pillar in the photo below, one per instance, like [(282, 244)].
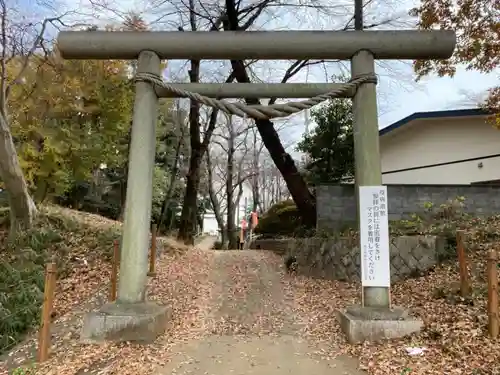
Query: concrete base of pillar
[(141, 322), (373, 324)]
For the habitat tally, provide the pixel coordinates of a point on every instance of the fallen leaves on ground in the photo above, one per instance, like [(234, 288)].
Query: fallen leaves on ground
[(248, 295), (454, 335), (85, 243), (181, 284)]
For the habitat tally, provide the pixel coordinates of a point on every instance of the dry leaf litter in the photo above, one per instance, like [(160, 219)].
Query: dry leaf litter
[(191, 281)]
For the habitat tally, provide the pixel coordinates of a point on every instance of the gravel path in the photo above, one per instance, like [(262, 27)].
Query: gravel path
[(248, 296), (251, 325)]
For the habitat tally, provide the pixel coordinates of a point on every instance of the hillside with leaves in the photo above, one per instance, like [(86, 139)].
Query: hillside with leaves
[(80, 243), (82, 246)]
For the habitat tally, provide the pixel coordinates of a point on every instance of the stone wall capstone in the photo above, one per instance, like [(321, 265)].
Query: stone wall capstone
[(339, 259), (336, 204)]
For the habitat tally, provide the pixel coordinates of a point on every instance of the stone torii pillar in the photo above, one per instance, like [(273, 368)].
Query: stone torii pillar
[(368, 170), (132, 318), (137, 218)]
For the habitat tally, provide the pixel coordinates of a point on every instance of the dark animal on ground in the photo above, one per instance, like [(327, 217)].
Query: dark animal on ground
[(291, 263)]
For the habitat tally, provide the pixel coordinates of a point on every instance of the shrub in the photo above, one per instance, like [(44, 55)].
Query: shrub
[(22, 282), (19, 310), (282, 219), (445, 218), (442, 220), (57, 233)]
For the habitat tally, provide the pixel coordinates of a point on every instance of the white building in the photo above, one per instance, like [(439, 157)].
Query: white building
[(210, 225), (442, 148)]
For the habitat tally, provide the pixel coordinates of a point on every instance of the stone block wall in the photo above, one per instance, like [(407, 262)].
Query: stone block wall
[(339, 259), (336, 204), (278, 246)]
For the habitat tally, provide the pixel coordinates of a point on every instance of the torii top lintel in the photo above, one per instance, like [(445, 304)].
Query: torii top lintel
[(264, 45)]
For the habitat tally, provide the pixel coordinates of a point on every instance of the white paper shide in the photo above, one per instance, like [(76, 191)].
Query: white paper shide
[(374, 236)]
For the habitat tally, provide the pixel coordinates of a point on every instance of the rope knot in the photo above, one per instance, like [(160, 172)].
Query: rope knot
[(366, 78)]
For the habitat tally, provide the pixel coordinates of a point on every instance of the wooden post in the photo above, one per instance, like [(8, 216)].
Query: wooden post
[(114, 270), (462, 263), (242, 238), (48, 299), (493, 322), (152, 254)]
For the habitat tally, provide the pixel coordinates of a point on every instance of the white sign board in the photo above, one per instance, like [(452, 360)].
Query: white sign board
[(374, 236)]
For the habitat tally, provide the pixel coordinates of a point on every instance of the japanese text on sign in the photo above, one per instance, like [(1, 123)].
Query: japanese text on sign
[(374, 236)]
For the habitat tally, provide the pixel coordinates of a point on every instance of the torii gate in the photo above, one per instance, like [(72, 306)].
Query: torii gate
[(361, 47)]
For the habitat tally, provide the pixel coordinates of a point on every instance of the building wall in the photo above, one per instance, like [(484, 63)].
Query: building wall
[(336, 204), (427, 142), (210, 224)]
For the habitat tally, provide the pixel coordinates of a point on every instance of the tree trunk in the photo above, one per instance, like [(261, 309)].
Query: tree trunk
[(190, 207), (165, 205), (237, 206), (255, 177), (123, 195), (22, 208), (173, 176), (238, 198), (42, 189), (123, 183), (198, 148), (231, 234), (199, 221), (305, 201), (171, 221), (264, 195), (215, 201)]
